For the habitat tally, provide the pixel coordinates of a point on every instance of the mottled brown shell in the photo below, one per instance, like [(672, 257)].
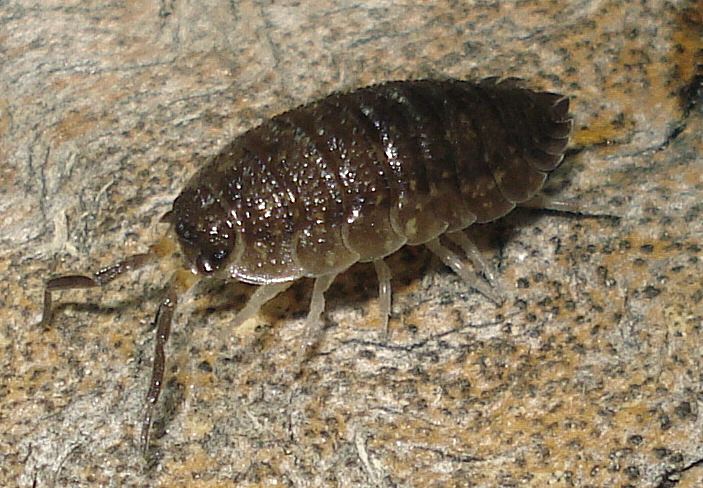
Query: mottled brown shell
[(355, 176)]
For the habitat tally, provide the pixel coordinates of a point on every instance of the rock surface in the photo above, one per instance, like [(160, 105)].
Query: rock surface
[(589, 374)]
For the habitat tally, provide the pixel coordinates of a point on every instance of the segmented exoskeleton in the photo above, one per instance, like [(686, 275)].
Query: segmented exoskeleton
[(354, 177)]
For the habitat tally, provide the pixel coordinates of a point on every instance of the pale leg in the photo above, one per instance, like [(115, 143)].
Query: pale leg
[(541, 201), (475, 256), (262, 295), (459, 267), (384, 292), (317, 302), (313, 324)]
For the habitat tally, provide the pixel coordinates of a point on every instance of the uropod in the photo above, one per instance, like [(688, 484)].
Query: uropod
[(352, 178)]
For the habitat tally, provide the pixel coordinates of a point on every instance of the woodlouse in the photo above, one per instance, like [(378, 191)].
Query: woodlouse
[(353, 177)]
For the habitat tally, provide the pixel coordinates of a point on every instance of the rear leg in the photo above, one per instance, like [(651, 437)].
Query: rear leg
[(459, 267), (313, 324), (545, 202), (317, 302), (384, 293), (472, 252)]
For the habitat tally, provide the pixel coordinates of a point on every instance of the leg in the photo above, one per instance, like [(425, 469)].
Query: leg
[(459, 267), (317, 302), (99, 278), (542, 201), (317, 306), (313, 323), (262, 295), (180, 282), (475, 256), (384, 292)]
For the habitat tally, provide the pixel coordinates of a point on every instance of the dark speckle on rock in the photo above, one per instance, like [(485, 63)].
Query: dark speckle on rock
[(650, 291)]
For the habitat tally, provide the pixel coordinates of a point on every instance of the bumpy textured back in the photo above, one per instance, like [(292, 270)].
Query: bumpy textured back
[(355, 176)]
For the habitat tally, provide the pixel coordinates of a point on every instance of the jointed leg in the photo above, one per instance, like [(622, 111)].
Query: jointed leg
[(384, 292), (542, 201), (459, 267), (313, 324), (262, 295), (475, 256), (317, 301)]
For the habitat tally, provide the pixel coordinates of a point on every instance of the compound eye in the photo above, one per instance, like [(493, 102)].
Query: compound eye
[(210, 262), (186, 232), (219, 255)]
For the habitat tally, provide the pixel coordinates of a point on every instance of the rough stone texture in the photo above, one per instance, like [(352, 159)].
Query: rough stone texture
[(589, 375)]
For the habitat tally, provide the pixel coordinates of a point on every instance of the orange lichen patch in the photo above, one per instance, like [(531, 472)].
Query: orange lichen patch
[(8, 174), (519, 418), (122, 346), (631, 70), (602, 132), (166, 246), (183, 280), (25, 302), (75, 124), (188, 469), (691, 176), (191, 376), (23, 384), (640, 246), (17, 388), (4, 116), (688, 47), (692, 16)]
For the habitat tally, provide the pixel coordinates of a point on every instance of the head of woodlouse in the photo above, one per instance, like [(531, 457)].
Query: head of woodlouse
[(205, 233)]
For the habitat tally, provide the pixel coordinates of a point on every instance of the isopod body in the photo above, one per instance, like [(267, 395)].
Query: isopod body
[(353, 177)]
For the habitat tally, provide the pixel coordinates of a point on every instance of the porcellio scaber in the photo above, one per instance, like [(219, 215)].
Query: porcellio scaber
[(352, 178)]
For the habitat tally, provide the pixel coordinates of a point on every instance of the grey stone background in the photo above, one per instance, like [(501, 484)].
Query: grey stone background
[(588, 375)]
